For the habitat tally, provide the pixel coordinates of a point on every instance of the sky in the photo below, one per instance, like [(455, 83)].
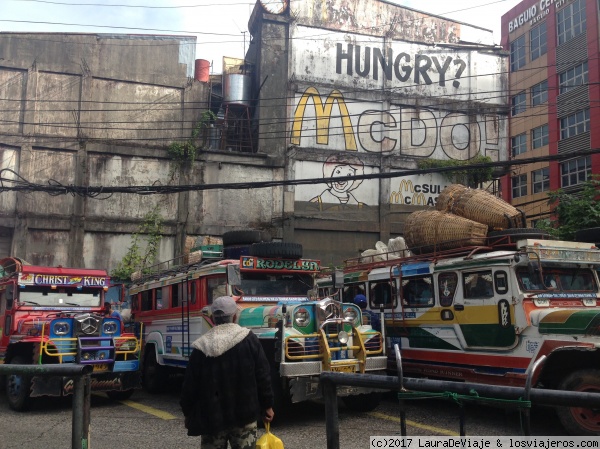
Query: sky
[(221, 26)]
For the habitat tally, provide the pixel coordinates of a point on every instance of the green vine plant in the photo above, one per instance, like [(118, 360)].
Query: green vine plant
[(184, 153), (150, 231), (470, 178)]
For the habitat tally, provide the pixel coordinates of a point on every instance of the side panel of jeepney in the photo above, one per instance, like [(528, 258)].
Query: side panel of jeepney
[(454, 310), (483, 308), (175, 315)]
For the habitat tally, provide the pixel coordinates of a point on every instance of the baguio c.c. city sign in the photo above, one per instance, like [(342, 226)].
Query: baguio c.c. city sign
[(535, 13)]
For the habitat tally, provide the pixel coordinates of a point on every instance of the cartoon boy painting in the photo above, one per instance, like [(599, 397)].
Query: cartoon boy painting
[(338, 192)]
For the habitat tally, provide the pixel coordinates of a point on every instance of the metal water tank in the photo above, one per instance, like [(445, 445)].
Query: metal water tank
[(237, 89)]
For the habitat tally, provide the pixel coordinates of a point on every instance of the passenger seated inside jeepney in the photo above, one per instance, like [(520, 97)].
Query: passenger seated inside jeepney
[(479, 285), (417, 292)]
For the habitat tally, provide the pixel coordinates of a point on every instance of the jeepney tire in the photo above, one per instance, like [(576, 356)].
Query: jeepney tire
[(245, 237), (362, 402), (579, 420), (119, 395), (588, 235), (19, 401), (154, 376), (277, 249)]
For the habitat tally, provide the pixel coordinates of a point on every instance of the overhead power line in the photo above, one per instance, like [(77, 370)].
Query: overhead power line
[(12, 181)]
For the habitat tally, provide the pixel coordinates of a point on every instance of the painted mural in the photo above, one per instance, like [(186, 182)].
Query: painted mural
[(328, 121), (359, 96)]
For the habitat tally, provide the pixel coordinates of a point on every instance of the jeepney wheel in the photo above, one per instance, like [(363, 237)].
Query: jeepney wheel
[(18, 388), (119, 395), (154, 377), (579, 420), (362, 402)]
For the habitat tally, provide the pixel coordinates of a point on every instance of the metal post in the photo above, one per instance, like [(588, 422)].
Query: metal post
[(79, 434), (81, 393), (332, 424), (87, 404)]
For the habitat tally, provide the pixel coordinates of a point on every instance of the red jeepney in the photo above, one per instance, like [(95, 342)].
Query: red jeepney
[(55, 315)]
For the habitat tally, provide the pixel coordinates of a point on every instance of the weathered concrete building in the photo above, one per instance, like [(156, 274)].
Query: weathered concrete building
[(328, 89), (92, 110), (367, 87)]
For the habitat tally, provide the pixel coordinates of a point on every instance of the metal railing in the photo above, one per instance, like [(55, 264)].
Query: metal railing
[(81, 394), (330, 380)]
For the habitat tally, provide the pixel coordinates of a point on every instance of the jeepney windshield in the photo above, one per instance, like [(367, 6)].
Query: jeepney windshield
[(60, 297), (558, 279), (264, 284)]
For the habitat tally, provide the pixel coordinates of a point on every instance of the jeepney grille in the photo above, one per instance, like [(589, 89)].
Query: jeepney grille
[(87, 325)]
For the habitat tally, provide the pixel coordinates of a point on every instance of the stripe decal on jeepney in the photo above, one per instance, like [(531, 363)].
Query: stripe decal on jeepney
[(467, 359), (569, 322)]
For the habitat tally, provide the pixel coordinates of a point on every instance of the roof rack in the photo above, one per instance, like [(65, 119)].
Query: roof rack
[(180, 264)]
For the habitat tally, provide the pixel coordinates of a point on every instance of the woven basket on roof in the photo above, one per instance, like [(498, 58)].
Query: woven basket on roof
[(480, 206), (430, 230)]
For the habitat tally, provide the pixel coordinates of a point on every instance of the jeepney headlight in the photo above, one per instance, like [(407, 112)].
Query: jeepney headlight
[(301, 317), (343, 337), (351, 315), (61, 328), (110, 327)]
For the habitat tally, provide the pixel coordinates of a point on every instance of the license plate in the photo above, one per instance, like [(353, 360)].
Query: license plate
[(343, 369), (102, 367)]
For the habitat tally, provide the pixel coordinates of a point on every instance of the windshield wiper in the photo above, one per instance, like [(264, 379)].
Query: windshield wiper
[(28, 302)]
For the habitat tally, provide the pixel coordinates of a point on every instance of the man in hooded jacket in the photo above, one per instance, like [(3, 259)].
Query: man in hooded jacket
[(227, 384)]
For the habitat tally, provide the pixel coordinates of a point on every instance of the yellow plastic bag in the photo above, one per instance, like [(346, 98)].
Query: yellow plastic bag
[(268, 440)]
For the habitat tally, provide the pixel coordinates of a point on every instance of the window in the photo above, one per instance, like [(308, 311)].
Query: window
[(478, 284), (446, 287), (175, 295), (540, 180), (576, 76), (519, 103), (216, 286), (517, 53), (575, 171), (539, 93), (160, 303), (417, 292), (570, 21), (539, 136), (382, 293), (147, 300), (574, 124), (537, 41), (519, 144), (519, 186)]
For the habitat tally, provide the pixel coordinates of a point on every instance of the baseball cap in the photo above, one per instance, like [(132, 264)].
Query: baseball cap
[(360, 300), (224, 305)]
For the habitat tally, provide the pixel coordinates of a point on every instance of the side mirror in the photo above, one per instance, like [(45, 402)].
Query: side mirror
[(233, 275), (338, 279)]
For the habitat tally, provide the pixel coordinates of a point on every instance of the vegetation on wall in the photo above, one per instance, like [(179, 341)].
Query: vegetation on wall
[(150, 231), (470, 178), (573, 211), (184, 153)]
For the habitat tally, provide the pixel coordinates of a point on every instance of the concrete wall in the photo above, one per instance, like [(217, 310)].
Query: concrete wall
[(100, 110)]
